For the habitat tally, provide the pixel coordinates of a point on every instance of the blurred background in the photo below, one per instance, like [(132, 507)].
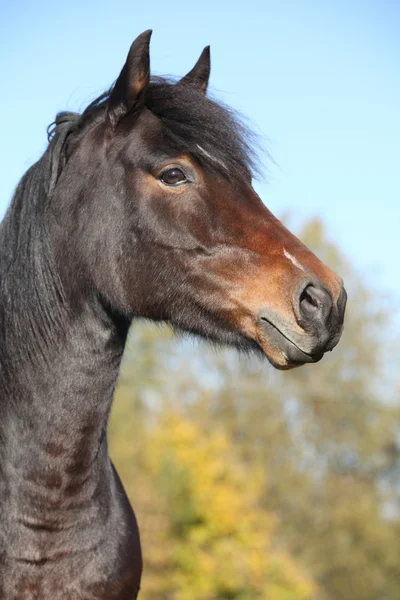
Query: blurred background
[(248, 483)]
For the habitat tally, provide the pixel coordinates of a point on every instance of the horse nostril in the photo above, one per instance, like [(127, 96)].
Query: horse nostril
[(307, 301), (315, 304)]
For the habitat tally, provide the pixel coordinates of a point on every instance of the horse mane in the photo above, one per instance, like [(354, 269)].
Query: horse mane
[(211, 132), (31, 295), (214, 134)]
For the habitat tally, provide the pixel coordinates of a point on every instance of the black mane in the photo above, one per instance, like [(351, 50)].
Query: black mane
[(211, 132)]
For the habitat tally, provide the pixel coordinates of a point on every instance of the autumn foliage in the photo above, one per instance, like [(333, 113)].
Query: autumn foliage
[(250, 484)]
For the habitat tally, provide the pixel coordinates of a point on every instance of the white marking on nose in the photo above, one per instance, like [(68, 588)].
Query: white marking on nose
[(293, 260)]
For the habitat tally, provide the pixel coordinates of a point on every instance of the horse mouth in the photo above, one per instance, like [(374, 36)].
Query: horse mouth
[(290, 354)]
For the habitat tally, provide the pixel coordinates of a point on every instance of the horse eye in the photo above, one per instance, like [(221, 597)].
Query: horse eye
[(173, 176)]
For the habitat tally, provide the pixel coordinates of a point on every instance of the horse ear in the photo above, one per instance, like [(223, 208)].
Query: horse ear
[(200, 73), (130, 88)]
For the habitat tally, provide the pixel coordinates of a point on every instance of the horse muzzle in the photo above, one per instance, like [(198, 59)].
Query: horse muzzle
[(316, 326)]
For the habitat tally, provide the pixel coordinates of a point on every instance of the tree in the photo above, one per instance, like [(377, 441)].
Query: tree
[(319, 446), (205, 534)]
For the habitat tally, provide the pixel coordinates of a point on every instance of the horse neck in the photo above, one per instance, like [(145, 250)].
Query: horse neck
[(59, 366)]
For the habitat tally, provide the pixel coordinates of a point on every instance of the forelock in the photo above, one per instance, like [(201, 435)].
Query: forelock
[(195, 124), (208, 130)]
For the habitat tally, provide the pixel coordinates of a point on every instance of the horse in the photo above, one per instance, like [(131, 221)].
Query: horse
[(141, 206)]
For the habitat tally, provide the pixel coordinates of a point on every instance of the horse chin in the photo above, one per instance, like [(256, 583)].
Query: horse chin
[(282, 353), (278, 359), (283, 364)]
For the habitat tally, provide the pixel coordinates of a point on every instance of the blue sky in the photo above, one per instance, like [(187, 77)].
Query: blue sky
[(320, 78)]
